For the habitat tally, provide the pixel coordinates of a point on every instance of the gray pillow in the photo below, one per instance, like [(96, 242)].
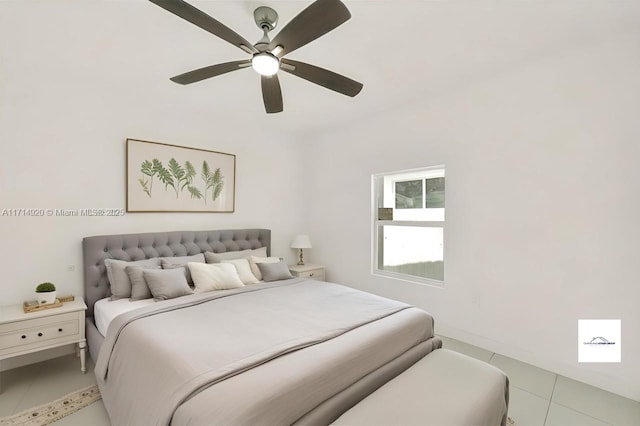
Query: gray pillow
[(181, 261), (166, 284), (231, 255), (274, 271), (118, 278), (139, 287), (185, 268)]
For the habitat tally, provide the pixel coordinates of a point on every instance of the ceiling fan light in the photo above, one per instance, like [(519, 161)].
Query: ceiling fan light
[(265, 63)]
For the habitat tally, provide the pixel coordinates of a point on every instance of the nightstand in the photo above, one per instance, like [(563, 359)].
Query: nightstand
[(313, 272), (24, 333)]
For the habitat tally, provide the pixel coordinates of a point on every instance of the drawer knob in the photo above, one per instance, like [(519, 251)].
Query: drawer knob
[(39, 334), (311, 274), (24, 336), (59, 329)]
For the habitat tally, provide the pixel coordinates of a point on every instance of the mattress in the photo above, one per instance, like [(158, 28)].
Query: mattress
[(106, 310)]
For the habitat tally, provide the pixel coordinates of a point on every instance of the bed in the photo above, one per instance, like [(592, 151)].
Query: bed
[(294, 351)]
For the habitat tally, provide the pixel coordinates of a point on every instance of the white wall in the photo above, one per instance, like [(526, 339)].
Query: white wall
[(70, 95), (542, 202), (541, 157)]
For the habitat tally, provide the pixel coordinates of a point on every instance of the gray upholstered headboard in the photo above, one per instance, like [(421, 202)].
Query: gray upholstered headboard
[(158, 244)]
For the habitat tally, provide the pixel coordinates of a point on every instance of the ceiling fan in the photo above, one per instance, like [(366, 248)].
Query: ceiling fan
[(267, 57)]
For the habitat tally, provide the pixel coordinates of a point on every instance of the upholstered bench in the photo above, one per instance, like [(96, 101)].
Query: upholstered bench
[(443, 388)]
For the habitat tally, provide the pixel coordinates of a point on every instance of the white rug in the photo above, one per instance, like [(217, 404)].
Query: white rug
[(55, 410)]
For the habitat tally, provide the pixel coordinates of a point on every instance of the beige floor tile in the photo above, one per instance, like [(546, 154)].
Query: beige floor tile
[(563, 416), (597, 403), (467, 349), (525, 376), (526, 408), (57, 377), (15, 386)]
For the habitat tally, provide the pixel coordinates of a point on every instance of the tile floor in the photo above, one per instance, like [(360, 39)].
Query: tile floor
[(537, 397), (542, 398), (36, 384)]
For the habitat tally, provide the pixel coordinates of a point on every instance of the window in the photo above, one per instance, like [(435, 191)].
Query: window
[(408, 225)]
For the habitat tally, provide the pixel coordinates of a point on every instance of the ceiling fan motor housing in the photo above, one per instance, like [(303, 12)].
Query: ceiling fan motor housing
[(265, 17)]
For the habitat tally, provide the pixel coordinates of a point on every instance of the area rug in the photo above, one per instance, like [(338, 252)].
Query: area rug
[(55, 410)]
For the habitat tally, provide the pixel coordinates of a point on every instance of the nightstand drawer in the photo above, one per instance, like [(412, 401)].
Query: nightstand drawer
[(32, 333), (315, 274)]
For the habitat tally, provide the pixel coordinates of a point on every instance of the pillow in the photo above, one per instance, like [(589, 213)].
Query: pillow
[(139, 287), (118, 278), (244, 270), (174, 262), (184, 268), (218, 276), (183, 260), (166, 284), (231, 255), (254, 260), (274, 271)]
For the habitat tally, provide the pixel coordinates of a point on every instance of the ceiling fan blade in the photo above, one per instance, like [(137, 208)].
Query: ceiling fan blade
[(271, 94), (315, 21), (206, 22), (210, 71), (322, 77)]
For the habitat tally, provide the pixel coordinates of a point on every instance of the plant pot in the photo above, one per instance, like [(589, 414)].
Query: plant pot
[(46, 298)]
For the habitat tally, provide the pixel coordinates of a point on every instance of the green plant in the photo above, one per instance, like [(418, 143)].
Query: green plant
[(151, 169), (179, 177), (45, 288), (213, 180)]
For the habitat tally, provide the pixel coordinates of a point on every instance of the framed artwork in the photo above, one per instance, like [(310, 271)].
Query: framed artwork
[(171, 178)]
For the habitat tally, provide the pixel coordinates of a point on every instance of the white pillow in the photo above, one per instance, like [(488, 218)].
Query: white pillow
[(231, 255), (253, 260), (216, 276), (244, 270)]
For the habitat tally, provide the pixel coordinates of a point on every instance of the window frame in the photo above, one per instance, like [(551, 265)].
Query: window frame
[(377, 186)]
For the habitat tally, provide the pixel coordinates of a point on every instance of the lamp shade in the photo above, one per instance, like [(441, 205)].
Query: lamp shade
[(301, 242)]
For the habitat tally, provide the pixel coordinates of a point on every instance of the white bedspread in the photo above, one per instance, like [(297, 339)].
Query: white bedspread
[(106, 310)]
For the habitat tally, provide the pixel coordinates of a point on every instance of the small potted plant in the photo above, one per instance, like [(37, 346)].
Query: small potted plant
[(46, 293)]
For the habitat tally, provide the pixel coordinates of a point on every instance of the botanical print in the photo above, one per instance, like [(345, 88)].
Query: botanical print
[(163, 177), (179, 178)]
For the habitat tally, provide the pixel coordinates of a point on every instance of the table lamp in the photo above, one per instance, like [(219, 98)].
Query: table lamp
[(301, 242)]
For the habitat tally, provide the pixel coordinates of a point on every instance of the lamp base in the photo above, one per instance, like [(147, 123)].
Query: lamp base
[(301, 261)]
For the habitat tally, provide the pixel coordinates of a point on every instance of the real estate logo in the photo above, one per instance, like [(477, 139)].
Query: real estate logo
[(599, 340)]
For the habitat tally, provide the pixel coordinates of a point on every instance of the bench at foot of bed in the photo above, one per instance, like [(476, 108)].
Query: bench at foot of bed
[(443, 388)]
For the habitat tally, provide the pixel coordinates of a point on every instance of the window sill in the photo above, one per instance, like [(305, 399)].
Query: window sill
[(408, 278)]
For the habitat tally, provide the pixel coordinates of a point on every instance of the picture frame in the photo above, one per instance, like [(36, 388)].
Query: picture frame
[(172, 178)]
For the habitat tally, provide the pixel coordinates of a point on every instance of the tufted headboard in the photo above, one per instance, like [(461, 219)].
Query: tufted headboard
[(158, 244)]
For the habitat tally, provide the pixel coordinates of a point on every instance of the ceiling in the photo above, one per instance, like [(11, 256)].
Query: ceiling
[(403, 51)]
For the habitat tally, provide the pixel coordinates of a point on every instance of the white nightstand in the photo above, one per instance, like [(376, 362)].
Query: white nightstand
[(313, 272), (24, 333)]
